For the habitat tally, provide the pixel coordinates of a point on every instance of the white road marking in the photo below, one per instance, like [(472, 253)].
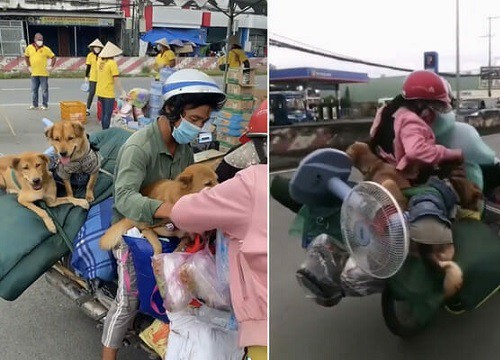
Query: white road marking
[(27, 104), (27, 89)]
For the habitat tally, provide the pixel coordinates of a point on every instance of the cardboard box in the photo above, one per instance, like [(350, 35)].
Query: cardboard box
[(241, 76), (237, 115), (227, 139), (233, 124), (73, 110), (240, 102), (235, 89)]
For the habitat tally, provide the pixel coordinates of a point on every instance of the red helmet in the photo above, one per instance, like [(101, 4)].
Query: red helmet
[(258, 124), (425, 85)]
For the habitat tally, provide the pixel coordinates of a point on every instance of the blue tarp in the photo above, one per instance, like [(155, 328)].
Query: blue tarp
[(196, 36)]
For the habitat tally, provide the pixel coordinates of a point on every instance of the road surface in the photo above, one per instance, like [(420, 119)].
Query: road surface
[(43, 324), (354, 329)]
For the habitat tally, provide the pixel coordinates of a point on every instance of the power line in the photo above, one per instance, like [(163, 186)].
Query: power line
[(324, 53)]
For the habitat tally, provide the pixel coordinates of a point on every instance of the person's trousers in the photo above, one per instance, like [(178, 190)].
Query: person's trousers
[(90, 98), (36, 83), (126, 304), (107, 111)]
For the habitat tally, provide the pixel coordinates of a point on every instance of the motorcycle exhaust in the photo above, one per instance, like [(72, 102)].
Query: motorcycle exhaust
[(90, 306)]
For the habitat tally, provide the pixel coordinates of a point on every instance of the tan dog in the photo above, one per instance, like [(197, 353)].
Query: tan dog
[(28, 176), (441, 255), (375, 169), (192, 180), (75, 154)]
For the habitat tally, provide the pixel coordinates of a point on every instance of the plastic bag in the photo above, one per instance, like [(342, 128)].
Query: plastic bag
[(204, 283), (167, 268), (356, 282), (200, 334), (222, 258)]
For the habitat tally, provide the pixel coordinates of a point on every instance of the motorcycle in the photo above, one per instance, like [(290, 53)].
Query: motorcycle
[(314, 194)]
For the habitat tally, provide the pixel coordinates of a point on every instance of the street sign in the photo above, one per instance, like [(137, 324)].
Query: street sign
[(492, 72), (431, 61)]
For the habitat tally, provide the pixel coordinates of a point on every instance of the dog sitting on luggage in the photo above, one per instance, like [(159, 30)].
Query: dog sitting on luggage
[(192, 180), (375, 169), (76, 155), (28, 176), (441, 255)]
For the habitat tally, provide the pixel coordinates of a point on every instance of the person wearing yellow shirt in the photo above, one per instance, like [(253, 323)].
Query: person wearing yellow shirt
[(91, 71), (36, 56), (237, 57), (107, 80), (165, 57)]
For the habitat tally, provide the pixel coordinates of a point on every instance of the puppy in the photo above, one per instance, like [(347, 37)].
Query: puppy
[(75, 154), (192, 180), (375, 169), (28, 176)]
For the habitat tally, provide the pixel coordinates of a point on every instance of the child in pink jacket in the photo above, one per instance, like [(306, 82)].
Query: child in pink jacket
[(401, 132), (402, 135), (238, 207)]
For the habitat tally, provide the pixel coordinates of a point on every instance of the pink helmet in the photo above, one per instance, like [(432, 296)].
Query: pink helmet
[(425, 85)]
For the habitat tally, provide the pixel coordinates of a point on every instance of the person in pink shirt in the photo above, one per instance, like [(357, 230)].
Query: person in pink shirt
[(401, 132), (238, 207)]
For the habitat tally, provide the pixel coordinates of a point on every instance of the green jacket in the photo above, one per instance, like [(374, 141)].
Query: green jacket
[(142, 160)]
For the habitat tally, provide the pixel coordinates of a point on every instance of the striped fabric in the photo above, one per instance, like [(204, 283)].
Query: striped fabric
[(88, 259)]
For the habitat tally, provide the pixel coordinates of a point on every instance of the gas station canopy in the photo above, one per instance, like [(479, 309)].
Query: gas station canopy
[(322, 79)]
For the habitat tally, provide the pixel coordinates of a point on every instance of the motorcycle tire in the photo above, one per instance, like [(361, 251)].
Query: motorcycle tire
[(397, 316)]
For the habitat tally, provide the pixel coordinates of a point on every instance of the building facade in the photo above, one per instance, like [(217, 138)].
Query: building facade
[(67, 26)]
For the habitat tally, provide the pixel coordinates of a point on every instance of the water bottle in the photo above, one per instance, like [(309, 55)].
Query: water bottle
[(154, 112), (165, 73)]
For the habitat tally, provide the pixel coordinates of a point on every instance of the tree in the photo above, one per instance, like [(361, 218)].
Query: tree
[(345, 101)]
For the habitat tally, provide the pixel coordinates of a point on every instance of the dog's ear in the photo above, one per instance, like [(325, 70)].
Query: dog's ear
[(15, 163), (186, 180), (44, 158), (48, 132), (78, 127)]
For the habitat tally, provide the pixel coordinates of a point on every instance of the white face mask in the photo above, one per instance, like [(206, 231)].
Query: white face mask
[(97, 50), (39, 42)]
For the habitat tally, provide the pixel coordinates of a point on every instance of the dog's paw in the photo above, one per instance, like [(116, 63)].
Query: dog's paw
[(89, 196), (82, 203), (49, 223)]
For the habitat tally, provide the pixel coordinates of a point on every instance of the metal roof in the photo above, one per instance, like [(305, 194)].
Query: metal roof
[(317, 76)]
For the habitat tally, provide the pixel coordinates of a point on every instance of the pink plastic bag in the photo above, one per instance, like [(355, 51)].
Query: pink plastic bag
[(167, 268)]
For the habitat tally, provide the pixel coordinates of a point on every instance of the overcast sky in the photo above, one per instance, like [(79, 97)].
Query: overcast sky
[(385, 31)]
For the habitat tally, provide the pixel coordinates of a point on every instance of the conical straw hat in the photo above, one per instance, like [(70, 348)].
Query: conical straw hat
[(233, 40), (164, 42), (110, 50), (96, 43)]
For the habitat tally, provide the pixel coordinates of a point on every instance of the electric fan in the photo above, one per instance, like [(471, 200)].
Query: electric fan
[(372, 223)]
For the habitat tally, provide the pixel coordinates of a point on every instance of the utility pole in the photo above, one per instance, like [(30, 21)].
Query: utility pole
[(458, 55), (489, 51), (489, 55)]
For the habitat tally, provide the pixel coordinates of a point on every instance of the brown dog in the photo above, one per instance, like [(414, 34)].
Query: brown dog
[(375, 169), (75, 154), (192, 180), (28, 176), (441, 255)]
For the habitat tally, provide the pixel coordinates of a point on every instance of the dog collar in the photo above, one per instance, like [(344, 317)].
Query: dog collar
[(14, 178)]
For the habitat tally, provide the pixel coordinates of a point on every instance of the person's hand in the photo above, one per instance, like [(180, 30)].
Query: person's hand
[(29, 69)]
